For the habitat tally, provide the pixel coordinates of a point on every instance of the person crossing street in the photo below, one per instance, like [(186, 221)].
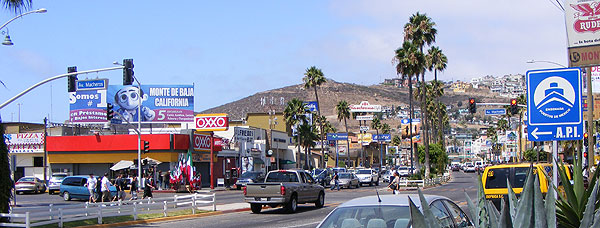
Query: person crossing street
[(336, 181)]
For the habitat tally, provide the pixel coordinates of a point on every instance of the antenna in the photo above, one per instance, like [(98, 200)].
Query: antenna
[(378, 198)]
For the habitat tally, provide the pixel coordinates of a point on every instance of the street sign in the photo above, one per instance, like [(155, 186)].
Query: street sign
[(365, 117), (554, 104), (337, 136), (492, 112), (94, 84), (382, 138), (407, 121), (311, 106)]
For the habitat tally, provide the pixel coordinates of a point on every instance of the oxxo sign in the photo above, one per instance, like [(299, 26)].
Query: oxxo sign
[(201, 142), (212, 122)]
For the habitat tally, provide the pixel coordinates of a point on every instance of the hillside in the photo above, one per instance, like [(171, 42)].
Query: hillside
[(331, 92)]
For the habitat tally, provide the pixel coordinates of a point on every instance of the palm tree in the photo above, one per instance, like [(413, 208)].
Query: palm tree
[(313, 78), (327, 128), (438, 60), (376, 124), (343, 113), (492, 135), (308, 134), (294, 115), (408, 58), (420, 30), (6, 182)]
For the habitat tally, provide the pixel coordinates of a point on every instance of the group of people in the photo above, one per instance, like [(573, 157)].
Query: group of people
[(99, 188)]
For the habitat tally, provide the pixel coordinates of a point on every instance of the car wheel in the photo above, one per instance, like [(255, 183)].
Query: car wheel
[(256, 208), (371, 183), (320, 201), (66, 196), (36, 191), (292, 206)]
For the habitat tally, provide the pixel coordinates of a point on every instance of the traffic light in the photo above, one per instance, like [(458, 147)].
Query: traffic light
[(472, 105), (128, 71), (146, 147), (514, 109), (586, 141), (72, 79), (109, 111)]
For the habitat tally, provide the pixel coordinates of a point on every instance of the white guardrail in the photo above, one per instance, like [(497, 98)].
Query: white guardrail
[(60, 215), (424, 183)]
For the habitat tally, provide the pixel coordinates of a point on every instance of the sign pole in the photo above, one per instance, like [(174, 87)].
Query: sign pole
[(337, 154), (554, 166), (590, 117), (212, 170)]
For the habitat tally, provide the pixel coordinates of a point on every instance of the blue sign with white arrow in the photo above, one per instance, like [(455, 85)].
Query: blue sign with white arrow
[(554, 104)]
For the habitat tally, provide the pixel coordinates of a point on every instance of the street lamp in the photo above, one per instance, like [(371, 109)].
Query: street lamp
[(545, 61), (7, 40)]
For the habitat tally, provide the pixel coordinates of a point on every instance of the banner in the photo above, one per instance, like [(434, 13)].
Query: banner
[(158, 103), (25, 142)]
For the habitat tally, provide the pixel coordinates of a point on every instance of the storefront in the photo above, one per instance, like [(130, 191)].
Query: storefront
[(95, 154), (28, 149)]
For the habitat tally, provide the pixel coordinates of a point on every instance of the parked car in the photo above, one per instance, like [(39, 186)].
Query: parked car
[(30, 184), (456, 167), (54, 183), (368, 176), (73, 187), (249, 177), (347, 180), (284, 187), (470, 168), (403, 171), (387, 175), (393, 211), (322, 176)]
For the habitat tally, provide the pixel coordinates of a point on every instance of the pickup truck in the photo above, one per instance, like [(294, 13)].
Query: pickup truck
[(284, 187)]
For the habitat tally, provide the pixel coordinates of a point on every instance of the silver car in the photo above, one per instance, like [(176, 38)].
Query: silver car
[(392, 211), (347, 180), (30, 184), (54, 183)]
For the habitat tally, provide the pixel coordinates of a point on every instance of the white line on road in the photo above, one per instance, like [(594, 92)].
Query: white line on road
[(307, 224)]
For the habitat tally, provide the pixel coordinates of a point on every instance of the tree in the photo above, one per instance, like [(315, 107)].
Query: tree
[(376, 124), (6, 181), (438, 60), (308, 134), (439, 158), (343, 113), (421, 31), (294, 115), (313, 78)]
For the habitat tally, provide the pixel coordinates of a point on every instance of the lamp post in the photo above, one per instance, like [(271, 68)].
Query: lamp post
[(7, 40), (545, 61)]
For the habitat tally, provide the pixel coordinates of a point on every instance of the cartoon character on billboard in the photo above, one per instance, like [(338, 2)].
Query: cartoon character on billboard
[(128, 100)]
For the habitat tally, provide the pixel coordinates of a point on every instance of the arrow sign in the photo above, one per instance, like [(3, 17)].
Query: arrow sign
[(535, 133)]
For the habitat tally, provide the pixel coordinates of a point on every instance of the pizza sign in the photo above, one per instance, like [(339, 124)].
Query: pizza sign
[(212, 122)]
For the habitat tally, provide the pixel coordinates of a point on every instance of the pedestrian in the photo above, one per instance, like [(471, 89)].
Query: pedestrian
[(118, 185), (336, 181), (91, 186), (98, 189), (148, 186), (395, 183), (165, 180), (134, 189), (105, 189), (159, 180)]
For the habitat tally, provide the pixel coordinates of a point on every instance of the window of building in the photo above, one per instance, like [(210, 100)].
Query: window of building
[(38, 161)]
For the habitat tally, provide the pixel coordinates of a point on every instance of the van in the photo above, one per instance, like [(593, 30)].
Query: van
[(73, 187), (494, 179)]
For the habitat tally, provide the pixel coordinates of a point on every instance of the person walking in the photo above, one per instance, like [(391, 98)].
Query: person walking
[(118, 185), (394, 184), (91, 186), (159, 180), (148, 186), (105, 189), (336, 181), (165, 179), (134, 189)]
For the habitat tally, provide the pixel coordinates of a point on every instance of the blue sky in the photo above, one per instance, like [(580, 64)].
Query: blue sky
[(233, 49)]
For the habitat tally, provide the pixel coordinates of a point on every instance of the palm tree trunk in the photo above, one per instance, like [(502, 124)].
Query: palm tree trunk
[(410, 116), (348, 143), (379, 148), (426, 127), (298, 154), (321, 126)]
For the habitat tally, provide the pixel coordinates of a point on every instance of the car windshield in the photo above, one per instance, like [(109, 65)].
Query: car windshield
[(249, 175), (364, 216), (344, 176), (27, 179), (58, 176), (364, 171)]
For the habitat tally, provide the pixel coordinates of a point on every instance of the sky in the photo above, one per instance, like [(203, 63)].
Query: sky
[(233, 49)]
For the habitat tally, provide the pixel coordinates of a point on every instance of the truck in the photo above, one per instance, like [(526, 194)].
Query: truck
[(286, 188)]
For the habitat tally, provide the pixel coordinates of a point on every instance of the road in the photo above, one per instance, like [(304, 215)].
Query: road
[(308, 215)]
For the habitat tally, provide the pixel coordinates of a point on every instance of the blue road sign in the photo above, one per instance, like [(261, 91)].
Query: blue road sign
[(554, 105), (499, 111), (94, 84), (382, 137), (311, 105), (337, 136)]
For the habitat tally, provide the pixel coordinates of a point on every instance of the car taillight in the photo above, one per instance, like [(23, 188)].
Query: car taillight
[(282, 190), (244, 190)]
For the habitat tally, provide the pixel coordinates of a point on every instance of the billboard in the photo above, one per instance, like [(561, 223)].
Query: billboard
[(212, 122), (159, 103), (364, 106), (582, 22)]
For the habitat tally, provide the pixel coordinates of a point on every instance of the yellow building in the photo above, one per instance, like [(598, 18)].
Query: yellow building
[(261, 120)]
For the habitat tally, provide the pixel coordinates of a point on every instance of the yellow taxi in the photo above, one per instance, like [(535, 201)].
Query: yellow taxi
[(494, 179)]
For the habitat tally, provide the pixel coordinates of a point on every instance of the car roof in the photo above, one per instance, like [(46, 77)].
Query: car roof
[(84, 176), (390, 200)]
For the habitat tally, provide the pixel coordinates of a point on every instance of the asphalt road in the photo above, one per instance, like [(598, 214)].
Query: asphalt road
[(308, 215)]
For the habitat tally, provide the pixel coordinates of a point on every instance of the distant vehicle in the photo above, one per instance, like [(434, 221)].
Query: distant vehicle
[(470, 168), (249, 177), (403, 171), (387, 175), (464, 166), (339, 170), (479, 166), (30, 184), (456, 167), (347, 180), (284, 187), (393, 211), (322, 176), (73, 187), (54, 183), (368, 176)]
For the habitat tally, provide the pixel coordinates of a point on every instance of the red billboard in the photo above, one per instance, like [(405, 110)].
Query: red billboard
[(212, 122)]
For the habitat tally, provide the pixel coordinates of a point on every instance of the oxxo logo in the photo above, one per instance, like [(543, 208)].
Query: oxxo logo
[(202, 142), (220, 122)]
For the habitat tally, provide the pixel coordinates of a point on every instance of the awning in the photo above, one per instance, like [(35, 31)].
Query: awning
[(152, 161), (123, 164)]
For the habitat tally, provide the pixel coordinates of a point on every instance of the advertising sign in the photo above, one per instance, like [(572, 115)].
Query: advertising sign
[(365, 117), (366, 139), (511, 137), (25, 142), (311, 106), (201, 142), (337, 136), (382, 138), (583, 23), (341, 149), (364, 106), (212, 122), (158, 103), (364, 128), (243, 134)]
